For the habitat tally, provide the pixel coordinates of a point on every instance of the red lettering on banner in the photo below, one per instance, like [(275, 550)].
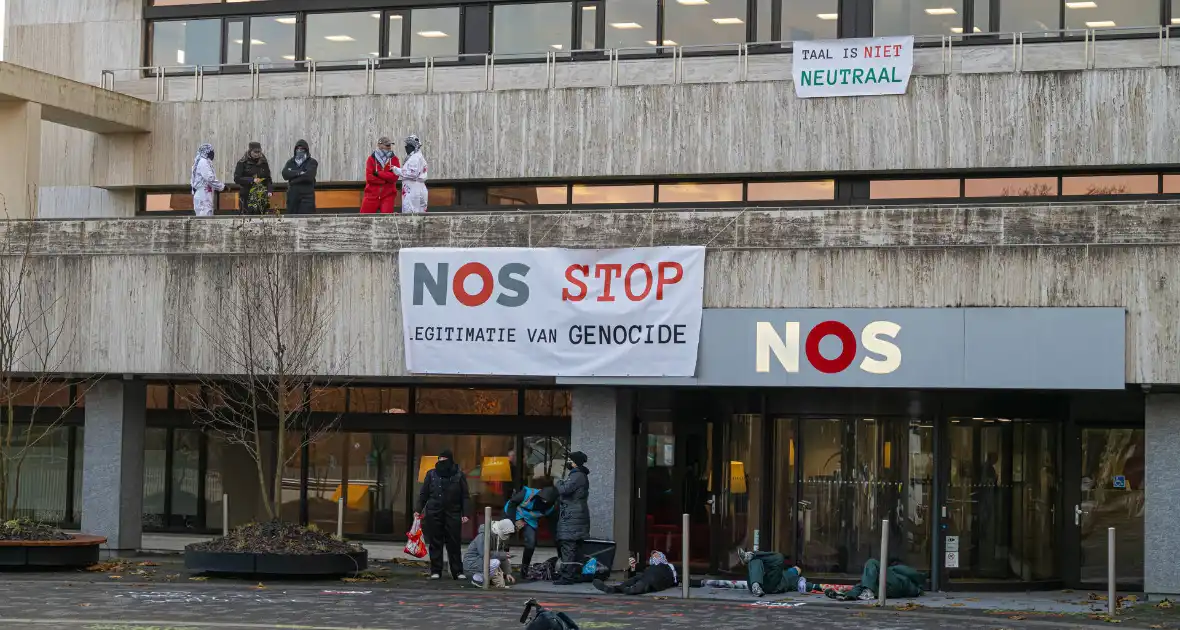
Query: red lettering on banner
[(647, 285), (677, 276), (460, 291), (847, 347), (613, 269), (570, 296)]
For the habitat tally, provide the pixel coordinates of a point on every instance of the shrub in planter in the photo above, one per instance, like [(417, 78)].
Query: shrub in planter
[(276, 548), (28, 530)]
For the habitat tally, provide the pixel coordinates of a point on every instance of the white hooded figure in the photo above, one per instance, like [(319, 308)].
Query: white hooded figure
[(413, 176), (204, 182)]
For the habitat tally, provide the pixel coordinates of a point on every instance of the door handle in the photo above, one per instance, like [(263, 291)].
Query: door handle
[(1077, 515), (712, 503)]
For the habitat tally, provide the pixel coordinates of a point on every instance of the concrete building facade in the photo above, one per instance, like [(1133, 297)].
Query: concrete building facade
[(1020, 176)]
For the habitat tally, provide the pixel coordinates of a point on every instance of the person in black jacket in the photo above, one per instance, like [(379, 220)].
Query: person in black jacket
[(573, 519), (253, 170), (659, 575), (300, 174), (442, 504)]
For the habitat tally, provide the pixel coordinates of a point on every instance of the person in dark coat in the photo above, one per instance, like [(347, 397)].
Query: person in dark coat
[(300, 173), (442, 504), (526, 507), (573, 522), (659, 575), (768, 573), (253, 170)]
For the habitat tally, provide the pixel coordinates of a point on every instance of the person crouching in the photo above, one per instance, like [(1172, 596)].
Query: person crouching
[(659, 575), (499, 567)]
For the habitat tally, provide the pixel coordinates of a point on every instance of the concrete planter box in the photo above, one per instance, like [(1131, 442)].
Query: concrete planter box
[(79, 551), (277, 564)]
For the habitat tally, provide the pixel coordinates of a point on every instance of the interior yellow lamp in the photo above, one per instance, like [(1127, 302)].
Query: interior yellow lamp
[(496, 469), (737, 478), (357, 495), (425, 466)]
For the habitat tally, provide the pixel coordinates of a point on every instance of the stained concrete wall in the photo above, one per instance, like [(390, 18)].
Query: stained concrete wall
[(130, 289)]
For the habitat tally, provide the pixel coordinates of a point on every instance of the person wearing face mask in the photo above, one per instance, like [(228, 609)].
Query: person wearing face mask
[(573, 521), (204, 181), (413, 174), (300, 173), (253, 171), (659, 575), (381, 182)]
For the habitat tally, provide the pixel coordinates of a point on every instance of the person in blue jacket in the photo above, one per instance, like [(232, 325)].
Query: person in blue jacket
[(526, 507)]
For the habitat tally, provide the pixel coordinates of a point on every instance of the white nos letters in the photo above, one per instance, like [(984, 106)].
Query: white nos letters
[(884, 356)]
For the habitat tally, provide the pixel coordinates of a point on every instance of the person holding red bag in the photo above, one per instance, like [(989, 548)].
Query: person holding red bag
[(381, 181)]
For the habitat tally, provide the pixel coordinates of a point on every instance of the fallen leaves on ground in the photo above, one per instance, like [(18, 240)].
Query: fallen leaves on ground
[(1105, 618), (115, 577), (1157, 626), (260, 587), (109, 566), (907, 606), (1164, 604), (199, 578), (366, 576), (147, 563), (958, 605), (1017, 617)]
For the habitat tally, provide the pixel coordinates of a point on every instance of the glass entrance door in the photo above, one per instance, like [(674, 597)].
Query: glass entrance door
[(675, 477), (1111, 495)]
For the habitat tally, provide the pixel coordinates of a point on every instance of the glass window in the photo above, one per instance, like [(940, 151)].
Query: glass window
[(588, 26), (487, 460), (1175, 12), (328, 399), (527, 195), (1019, 16), (1172, 184), (227, 200), (809, 19), (785, 454), (531, 28), (547, 402), (763, 21), (187, 396), (186, 42), (482, 402), (1110, 185), (235, 31), (822, 190), (644, 193), (342, 35), (434, 32), (325, 481), (378, 483), (1106, 14), (396, 37), (741, 480), (1012, 187), (157, 396), (155, 443), (439, 197), (982, 19), (79, 447), (712, 22), (378, 399), (167, 202), (233, 463), (916, 17), (272, 38), (42, 479), (913, 188), (40, 394), (169, 3), (186, 457), (631, 24), (700, 193), (338, 199)]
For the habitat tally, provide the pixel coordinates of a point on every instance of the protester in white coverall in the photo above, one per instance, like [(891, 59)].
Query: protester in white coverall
[(413, 175), (204, 181)]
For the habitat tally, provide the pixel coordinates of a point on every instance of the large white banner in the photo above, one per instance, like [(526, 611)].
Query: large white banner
[(552, 312), (853, 67)]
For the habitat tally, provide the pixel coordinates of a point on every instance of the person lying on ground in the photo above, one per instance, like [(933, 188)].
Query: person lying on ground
[(500, 567), (900, 581), (767, 573), (659, 575)]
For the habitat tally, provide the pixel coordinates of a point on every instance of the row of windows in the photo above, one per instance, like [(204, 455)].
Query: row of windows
[(542, 27), (844, 190)]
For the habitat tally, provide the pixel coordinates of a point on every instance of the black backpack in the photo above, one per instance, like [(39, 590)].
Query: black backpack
[(545, 620)]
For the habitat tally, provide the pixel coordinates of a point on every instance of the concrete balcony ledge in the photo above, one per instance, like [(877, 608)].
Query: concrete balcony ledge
[(751, 228)]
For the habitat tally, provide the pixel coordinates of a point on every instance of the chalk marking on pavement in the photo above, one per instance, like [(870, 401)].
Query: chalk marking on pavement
[(141, 624)]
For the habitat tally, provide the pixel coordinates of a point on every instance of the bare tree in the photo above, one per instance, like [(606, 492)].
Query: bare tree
[(35, 344), (267, 326)]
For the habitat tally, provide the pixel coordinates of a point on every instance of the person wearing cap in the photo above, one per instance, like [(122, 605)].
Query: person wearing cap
[(415, 198), (381, 184), (499, 566), (252, 171), (573, 521), (442, 505)]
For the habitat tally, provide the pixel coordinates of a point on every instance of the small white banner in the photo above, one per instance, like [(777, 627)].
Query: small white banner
[(853, 67), (552, 312)]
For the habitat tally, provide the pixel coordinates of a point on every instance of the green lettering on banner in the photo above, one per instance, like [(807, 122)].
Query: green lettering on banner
[(895, 79), (858, 76), (871, 77), (817, 77), (805, 78), (844, 72)]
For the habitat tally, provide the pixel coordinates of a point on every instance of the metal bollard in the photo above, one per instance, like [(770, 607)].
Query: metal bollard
[(225, 515), (487, 547), (1112, 604), (684, 559), (884, 562), (340, 518)]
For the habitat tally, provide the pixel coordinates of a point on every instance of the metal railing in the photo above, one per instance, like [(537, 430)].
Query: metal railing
[(163, 77)]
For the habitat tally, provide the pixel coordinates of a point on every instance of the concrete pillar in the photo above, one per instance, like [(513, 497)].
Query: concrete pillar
[(1161, 545), (20, 161), (601, 428), (112, 463)]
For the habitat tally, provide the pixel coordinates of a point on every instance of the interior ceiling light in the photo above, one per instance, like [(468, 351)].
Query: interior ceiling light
[(289, 57), (557, 46), (395, 17), (432, 34), (375, 16), (340, 38), (941, 11), (828, 16), (693, 2), (1081, 5), (1175, 20), (667, 42), (728, 21), (625, 25), (959, 29), (1101, 24), (285, 20)]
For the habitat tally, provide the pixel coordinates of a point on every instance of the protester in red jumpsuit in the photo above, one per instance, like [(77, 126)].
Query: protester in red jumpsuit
[(381, 185)]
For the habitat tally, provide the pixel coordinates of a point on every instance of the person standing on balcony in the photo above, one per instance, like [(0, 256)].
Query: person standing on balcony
[(255, 184), (381, 183), (413, 174), (204, 181), (300, 174)]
